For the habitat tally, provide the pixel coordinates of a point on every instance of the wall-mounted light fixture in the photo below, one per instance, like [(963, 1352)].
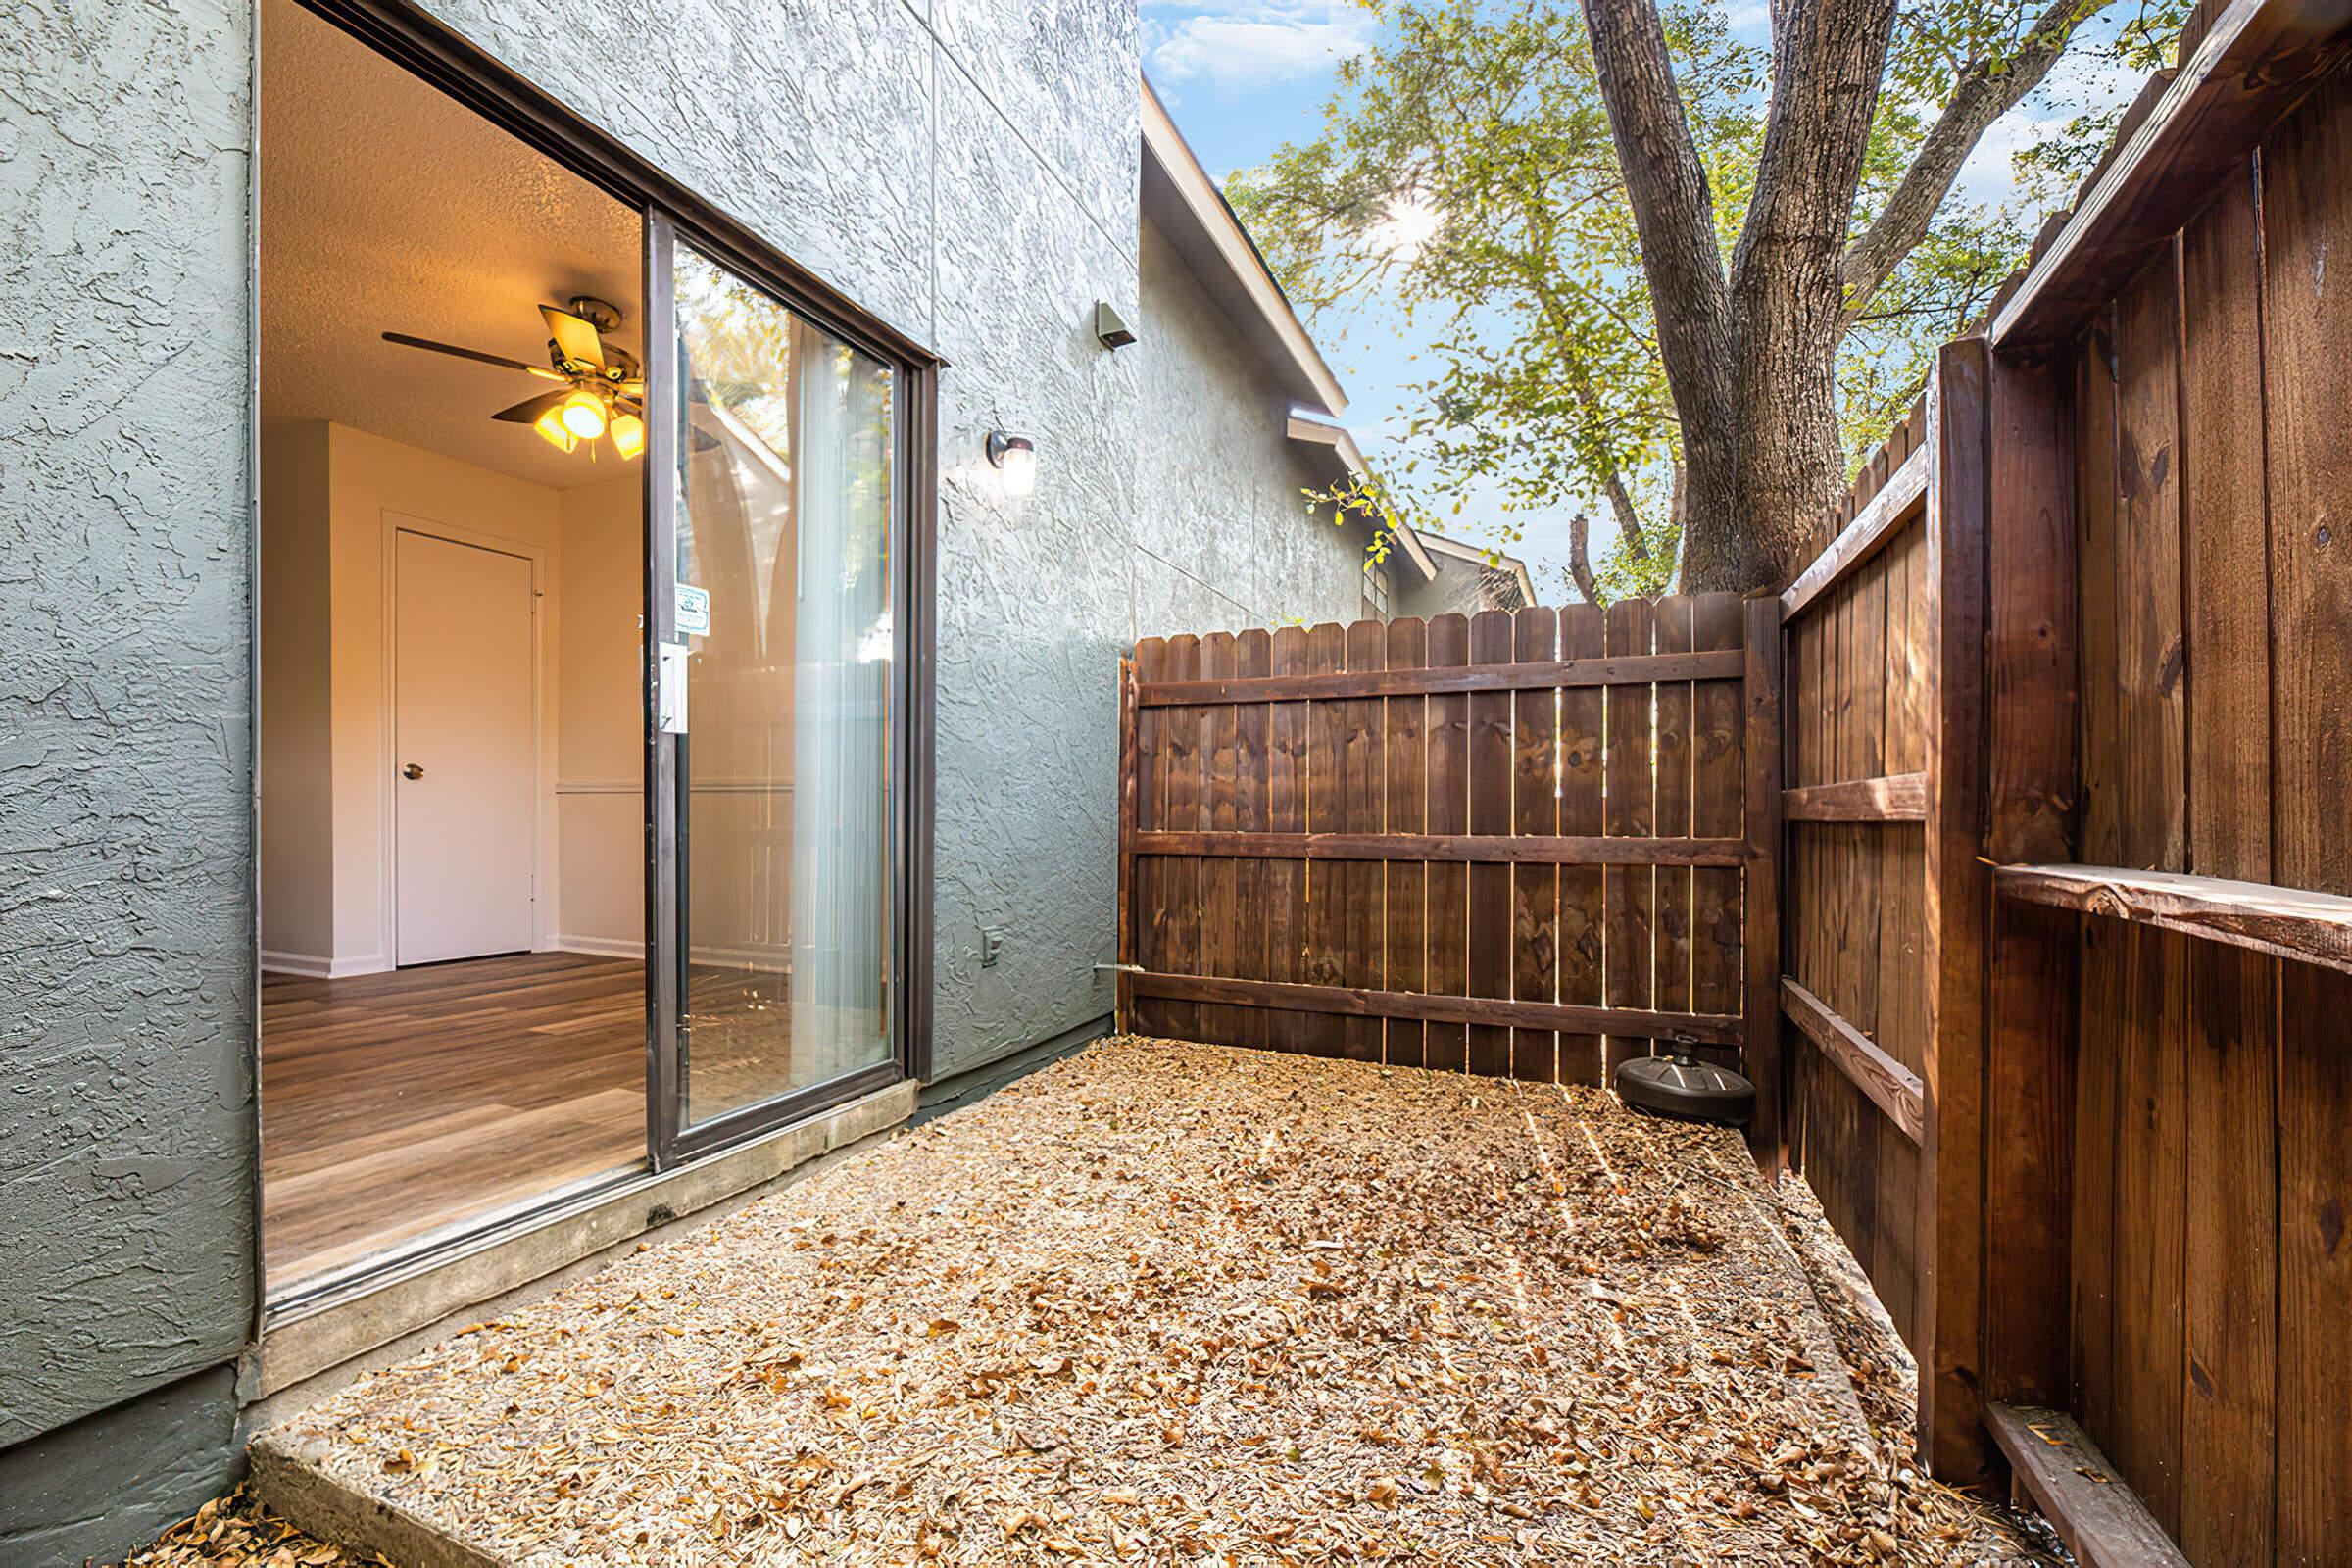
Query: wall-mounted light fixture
[(1110, 327), (1015, 456)]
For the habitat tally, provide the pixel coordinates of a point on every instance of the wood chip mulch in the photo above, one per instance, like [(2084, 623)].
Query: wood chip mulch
[(235, 1531), (1176, 1303)]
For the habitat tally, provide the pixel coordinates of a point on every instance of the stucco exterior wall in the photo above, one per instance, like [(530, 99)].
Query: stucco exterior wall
[(126, 928), (965, 168), (1220, 488)]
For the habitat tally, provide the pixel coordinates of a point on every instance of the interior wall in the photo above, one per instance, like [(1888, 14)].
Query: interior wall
[(369, 476), (295, 741), (599, 749), (325, 758)]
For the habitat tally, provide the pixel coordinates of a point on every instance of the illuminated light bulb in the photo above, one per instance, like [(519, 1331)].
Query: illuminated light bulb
[(1015, 456), (1020, 472), (628, 434), (583, 415), (551, 425)]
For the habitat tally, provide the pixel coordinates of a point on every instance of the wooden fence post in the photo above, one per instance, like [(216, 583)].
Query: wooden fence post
[(1125, 1003), (1760, 991), (1951, 1218), (2031, 786)]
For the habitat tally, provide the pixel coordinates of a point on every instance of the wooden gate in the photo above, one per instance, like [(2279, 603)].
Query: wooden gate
[(1523, 845)]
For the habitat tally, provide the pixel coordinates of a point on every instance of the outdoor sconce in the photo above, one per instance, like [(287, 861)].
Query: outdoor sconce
[(1110, 327), (1015, 456)]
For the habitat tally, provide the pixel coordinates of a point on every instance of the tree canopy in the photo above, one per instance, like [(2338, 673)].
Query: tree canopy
[(1470, 175)]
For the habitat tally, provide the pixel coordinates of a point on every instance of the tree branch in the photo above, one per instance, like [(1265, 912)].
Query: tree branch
[(1828, 60), (1673, 206), (1580, 558), (1985, 91)]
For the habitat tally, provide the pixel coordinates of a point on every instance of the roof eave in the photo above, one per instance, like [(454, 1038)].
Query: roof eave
[(1179, 196), (1333, 449)]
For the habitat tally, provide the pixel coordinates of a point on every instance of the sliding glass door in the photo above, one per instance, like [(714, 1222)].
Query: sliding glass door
[(777, 698)]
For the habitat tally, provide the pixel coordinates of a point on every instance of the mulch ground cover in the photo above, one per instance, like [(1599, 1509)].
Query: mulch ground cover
[(1177, 1303)]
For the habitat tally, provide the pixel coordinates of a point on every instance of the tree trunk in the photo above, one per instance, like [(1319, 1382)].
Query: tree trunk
[(1788, 459), (1751, 359), (1673, 206), (1791, 464)]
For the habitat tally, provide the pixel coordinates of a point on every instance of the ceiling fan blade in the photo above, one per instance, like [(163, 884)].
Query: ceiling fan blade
[(575, 339), (527, 412), (498, 359)]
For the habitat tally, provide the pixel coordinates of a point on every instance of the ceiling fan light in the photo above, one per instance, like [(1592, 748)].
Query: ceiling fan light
[(583, 415), (628, 434), (551, 425)]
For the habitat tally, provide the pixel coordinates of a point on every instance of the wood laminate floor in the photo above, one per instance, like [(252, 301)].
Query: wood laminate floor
[(397, 1103)]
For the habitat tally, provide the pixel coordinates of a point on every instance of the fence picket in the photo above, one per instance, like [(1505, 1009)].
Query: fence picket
[(1364, 777), (1408, 811), (1535, 809), (1670, 982), (1326, 796), (1582, 917), (1448, 914), (1630, 787), (1491, 812)]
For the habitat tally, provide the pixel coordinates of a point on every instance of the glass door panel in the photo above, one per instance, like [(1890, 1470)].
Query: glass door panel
[(785, 448)]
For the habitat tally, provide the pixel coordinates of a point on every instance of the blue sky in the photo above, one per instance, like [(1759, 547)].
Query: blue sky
[(1244, 76)]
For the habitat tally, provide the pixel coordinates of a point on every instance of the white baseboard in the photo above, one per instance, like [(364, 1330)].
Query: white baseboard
[(600, 947), (316, 967), (765, 961)]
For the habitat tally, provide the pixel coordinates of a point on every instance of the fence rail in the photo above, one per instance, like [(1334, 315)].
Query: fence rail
[(1518, 843)]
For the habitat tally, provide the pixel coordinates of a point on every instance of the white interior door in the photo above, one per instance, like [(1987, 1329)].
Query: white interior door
[(464, 758)]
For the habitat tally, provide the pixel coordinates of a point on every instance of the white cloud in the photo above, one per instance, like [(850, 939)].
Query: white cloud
[(1240, 48), (2080, 81)]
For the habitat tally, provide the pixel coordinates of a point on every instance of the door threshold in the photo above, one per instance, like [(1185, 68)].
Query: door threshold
[(427, 1250), (370, 1303)]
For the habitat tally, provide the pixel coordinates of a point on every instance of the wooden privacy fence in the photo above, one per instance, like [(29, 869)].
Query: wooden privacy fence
[(1523, 845), (2069, 865)]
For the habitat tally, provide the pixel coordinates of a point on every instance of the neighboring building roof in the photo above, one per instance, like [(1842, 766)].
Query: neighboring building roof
[(1335, 453), (1507, 567), (1185, 203)]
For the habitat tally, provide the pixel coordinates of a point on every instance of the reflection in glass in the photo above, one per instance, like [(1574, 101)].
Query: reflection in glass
[(784, 521)]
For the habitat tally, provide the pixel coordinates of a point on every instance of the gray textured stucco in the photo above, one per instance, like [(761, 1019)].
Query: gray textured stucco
[(126, 1132), (1223, 488), (965, 168), (104, 1485)]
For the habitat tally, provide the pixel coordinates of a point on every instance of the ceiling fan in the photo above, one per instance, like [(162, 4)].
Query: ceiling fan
[(603, 390)]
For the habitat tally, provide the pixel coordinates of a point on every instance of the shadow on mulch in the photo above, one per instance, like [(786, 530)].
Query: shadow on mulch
[(236, 1531)]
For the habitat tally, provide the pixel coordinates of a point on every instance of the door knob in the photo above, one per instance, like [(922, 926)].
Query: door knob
[(411, 771)]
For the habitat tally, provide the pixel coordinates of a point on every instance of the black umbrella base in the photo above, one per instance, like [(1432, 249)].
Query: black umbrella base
[(1687, 1089)]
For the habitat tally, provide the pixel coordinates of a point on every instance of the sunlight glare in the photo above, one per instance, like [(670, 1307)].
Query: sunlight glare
[(1411, 222)]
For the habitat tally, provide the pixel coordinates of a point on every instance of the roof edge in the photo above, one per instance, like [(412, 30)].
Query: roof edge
[(1501, 560), (1204, 207), (1348, 459)]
